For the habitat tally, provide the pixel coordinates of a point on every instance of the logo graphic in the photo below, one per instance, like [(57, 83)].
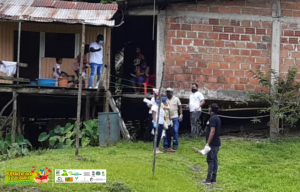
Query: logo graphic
[(75, 174), (65, 173), (86, 173), (70, 173), (98, 173), (57, 172), (18, 177), (41, 176), (93, 173), (76, 178), (103, 173), (59, 180), (91, 179), (69, 179)]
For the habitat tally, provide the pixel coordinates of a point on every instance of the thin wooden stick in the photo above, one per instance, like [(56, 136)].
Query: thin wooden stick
[(157, 122), (4, 123), (80, 90), (3, 109)]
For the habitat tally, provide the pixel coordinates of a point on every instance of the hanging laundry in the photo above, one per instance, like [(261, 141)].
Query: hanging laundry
[(8, 67)]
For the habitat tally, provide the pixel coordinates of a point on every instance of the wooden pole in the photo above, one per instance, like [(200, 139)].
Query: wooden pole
[(80, 90), (87, 108), (157, 122), (19, 48)]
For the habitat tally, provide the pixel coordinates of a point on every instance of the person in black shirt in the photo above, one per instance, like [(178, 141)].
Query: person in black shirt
[(214, 142)]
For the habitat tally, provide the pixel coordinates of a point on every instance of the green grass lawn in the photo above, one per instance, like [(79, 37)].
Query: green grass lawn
[(244, 166)]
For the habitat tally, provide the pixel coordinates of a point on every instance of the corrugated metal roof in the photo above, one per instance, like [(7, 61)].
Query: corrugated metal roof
[(58, 11)]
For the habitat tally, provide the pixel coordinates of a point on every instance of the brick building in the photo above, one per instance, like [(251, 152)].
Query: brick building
[(215, 43)]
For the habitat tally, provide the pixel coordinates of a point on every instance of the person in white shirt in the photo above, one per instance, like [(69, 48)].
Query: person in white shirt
[(195, 104), (161, 121), (57, 69), (96, 60)]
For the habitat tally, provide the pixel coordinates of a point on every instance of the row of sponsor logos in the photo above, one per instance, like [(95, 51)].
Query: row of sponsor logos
[(85, 173), (79, 180)]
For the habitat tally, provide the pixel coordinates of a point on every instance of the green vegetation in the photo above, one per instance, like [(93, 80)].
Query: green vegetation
[(244, 166)]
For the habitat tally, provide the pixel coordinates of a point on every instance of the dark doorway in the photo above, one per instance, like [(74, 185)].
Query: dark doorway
[(29, 53), (135, 32)]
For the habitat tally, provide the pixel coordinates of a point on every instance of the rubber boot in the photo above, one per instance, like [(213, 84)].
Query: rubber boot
[(214, 178)]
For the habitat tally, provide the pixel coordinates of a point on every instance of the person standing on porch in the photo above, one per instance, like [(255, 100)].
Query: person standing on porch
[(175, 106), (96, 60), (195, 104)]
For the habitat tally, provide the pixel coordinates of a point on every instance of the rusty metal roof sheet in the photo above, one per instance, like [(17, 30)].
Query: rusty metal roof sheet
[(58, 11)]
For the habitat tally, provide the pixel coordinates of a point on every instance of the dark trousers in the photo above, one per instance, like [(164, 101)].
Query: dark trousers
[(212, 161), (159, 133), (168, 137)]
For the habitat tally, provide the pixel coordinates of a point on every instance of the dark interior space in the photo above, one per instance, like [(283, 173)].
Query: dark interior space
[(29, 53), (135, 32)]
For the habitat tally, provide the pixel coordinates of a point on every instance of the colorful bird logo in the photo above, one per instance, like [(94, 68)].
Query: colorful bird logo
[(41, 176)]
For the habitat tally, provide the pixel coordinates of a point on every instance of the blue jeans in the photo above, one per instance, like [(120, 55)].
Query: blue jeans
[(175, 134), (95, 68), (160, 130)]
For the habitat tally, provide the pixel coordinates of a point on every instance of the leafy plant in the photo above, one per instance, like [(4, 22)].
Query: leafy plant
[(281, 94), (90, 134)]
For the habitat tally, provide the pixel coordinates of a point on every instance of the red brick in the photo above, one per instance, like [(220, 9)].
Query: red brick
[(249, 87), (217, 29), (180, 49), (175, 26), (228, 29), (202, 35), (240, 30), (261, 60), (202, 50), (244, 80), (168, 41), (288, 33), (201, 78), (185, 56), (255, 52), (234, 37), (250, 31), (284, 40), (207, 71), (229, 58), (207, 28), (196, 56), (228, 73), (177, 41), (213, 9), (191, 49), (180, 77), (217, 86), (217, 72), (255, 66), (213, 36), (202, 8), (218, 58), (224, 10), (251, 46), (223, 36), (245, 52), (234, 52), (213, 65), (229, 44), (289, 61), (213, 21), (254, 81), (223, 65), (246, 23), (233, 80), (265, 53), (212, 79), (284, 54), (192, 64), (297, 33), (235, 23), (256, 24), (239, 87), (239, 73), (245, 38), (234, 66), (169, 62), (209, 43), (171, 34), (169, 77), (219, 43), (246, 10), (260, 31), (175, 69), (296, 54), (257, 12), (207, 58), (224, 22), (198, 42), (170, 48), (224, 51), (191, 35), (239, 59), (293, 40), (175, 56), (287, 13), (240, 45), (245, 66), (256, 38), (181, 33), (235, 10), (213, 50), (187, 41), (186, 27), (180, 62), (228, 86), (296, 13), (202, 64), (196, 27), (266, 24)]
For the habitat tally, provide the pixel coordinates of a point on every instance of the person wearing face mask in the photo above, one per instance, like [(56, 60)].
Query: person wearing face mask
[(96, 60), (175, 107), (195, 104), (142, 74), (161, 121)]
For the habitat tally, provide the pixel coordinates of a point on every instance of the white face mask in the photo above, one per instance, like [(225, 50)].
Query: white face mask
[(101, 42)]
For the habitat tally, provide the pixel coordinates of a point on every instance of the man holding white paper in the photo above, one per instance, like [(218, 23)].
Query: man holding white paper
[(195, 104)]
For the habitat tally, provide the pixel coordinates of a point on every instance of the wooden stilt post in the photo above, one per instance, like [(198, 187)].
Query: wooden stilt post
[(87, 108), (14, 119), (80, 90)]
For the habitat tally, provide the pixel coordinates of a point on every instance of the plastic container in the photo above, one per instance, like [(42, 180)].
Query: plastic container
[(46, 82), (114, 134), (63, 82), (33, 83)]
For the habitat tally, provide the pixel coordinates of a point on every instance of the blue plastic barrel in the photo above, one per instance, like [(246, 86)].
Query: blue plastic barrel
[(114, 137)]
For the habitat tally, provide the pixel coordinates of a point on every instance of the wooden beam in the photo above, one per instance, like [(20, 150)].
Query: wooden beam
[(87, 108), (14, 119), (14, 79), (18, 64)]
